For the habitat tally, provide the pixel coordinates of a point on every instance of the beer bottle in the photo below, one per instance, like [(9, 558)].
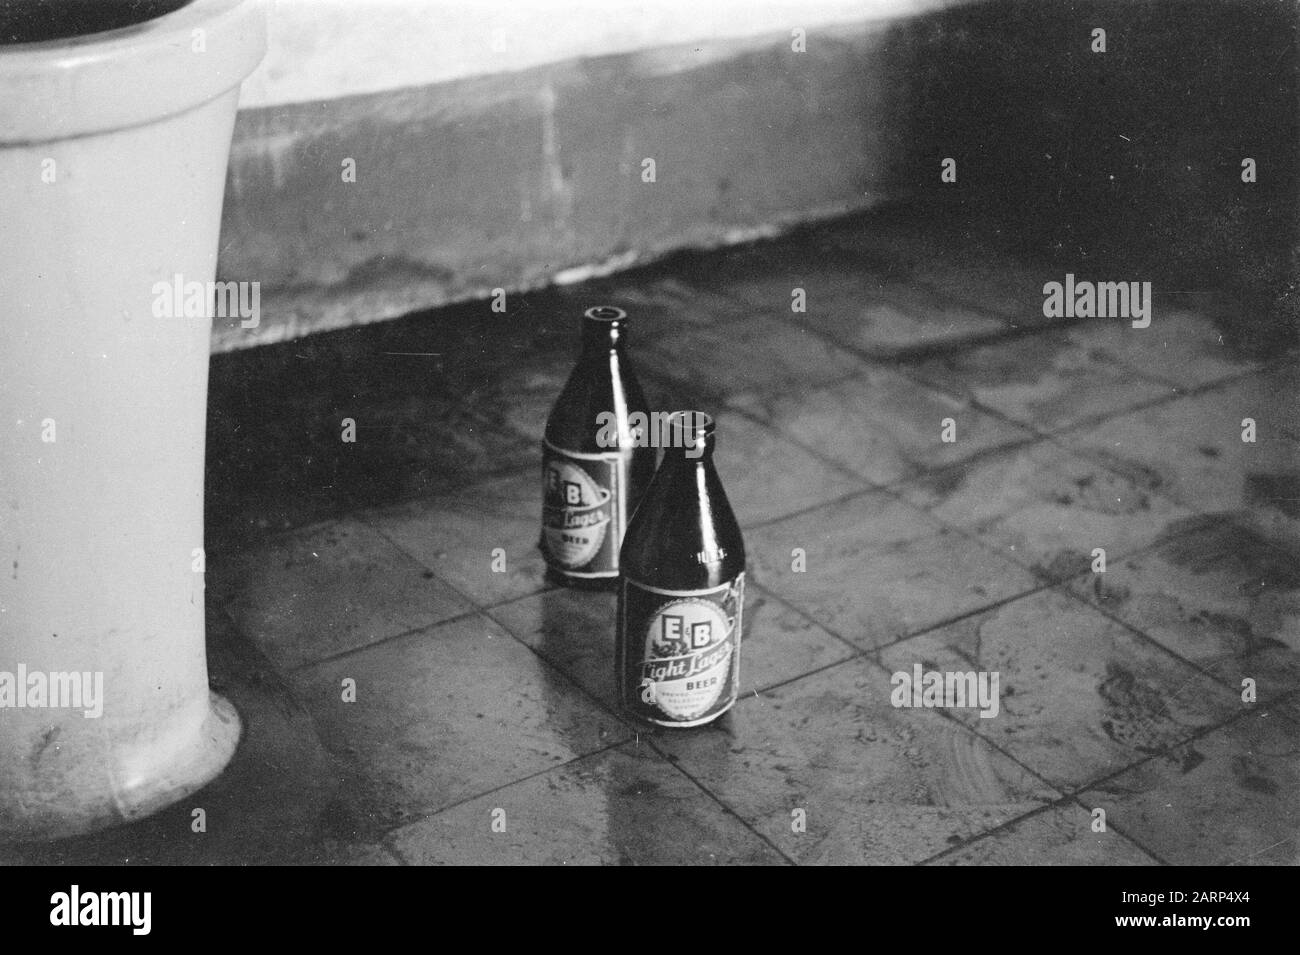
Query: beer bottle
[(682, 589), (594, 468)]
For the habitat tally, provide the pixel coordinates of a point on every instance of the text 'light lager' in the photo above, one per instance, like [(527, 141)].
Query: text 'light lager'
[(682, 590), (590, 483)]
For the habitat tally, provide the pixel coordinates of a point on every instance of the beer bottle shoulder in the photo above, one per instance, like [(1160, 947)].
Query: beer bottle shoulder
[(592, 397), (680, 540)]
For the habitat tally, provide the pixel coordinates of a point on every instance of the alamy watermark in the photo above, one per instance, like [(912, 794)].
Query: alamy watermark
[(129, 909), (933, 689), (1072, 299), (653, 430), (57, 689), (181, 299)]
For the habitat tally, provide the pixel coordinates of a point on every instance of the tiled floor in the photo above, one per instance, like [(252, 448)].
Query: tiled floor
[(950, 464)]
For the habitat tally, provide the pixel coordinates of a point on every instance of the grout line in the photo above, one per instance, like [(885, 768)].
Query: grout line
[(1075, 793), (1147, 638), (966, 615), (803, 512), (624, 724), (1000, 827), (722, 400), (1111, 827), (382, 843), (768, 592), (675, 762), (467, 598), (1196, 735), (416, 818), (817, 671), (1059, 803), (352, 651), (635, 729), (241, 542), (609, 710)]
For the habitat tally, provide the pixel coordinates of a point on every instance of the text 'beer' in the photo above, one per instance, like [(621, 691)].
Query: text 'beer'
[(682, 592), (593, 473)]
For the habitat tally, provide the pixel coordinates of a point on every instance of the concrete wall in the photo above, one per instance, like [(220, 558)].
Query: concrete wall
[(477, 171), (325, 49), (501, 146)]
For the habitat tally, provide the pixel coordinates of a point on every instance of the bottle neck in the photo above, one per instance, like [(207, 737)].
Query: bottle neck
[(686, 458), (601, 338)]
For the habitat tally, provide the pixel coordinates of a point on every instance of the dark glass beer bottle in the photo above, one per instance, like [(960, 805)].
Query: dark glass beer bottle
[(594, 469), (682, 589)]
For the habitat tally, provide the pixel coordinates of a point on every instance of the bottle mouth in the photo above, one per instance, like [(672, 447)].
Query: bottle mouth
[(610, 314), (691, 429)]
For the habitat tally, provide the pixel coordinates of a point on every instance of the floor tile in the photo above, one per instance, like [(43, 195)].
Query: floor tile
[(1045, 507), (316, 429), (1271, 397), (520, 398), (1062, 835), (328, 589), (456, 536), (766, 477), (1045, 381), (625, 806), (1231, 798), (1081, 696), (760, 353), (408, 447), (876, 569), (881, 424), (995, 284), (1181, 348), (1282, 385), (1192, 450), (447, 714), (966, 261), (461, 350), (574, 630), (901, 317), (764, 277), (877, 785), (1219, 596), (363, 854)]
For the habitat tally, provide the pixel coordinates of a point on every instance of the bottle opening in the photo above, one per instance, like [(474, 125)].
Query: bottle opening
[(691, 429), (39, 21), (605, 313)]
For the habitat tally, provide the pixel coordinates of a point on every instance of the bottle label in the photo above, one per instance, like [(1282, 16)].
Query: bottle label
[(582, 511), (680, 651)]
